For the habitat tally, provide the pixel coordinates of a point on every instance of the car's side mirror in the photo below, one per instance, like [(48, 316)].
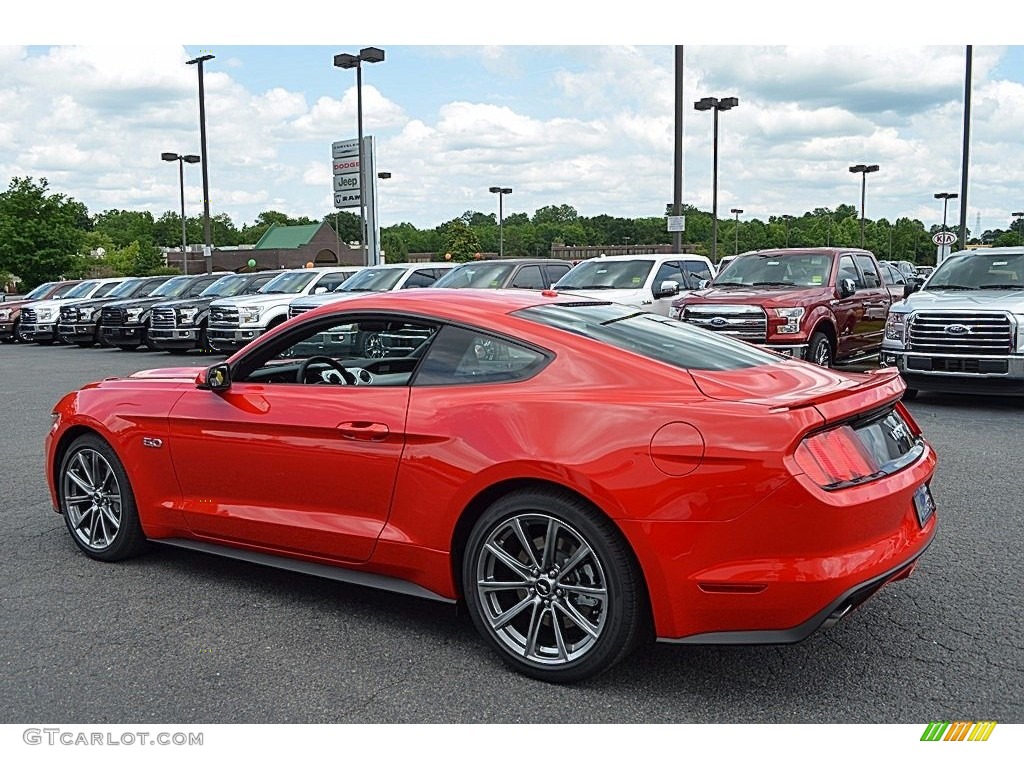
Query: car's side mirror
[(216, 378), (317, 291), (912, 286), (847, 287), (667, 288), (702, 284)]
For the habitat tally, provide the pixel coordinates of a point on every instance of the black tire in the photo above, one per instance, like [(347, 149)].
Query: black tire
[(820, 351), (204, 340), (556, 619), (148, 342), (97, 501)]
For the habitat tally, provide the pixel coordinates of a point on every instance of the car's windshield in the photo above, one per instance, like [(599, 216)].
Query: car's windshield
[(378, 279), (229, 285), (82, 289), (776, 270), (603, 274), (126, 288), (654, 336), (974, 271), (39, 291), (476, 276), (289, 282), (172, 289)]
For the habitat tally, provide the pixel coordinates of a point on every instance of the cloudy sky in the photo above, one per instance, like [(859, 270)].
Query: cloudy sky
[(456, 110)]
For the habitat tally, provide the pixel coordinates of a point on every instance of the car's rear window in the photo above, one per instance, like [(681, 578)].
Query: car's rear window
[(654, 336)]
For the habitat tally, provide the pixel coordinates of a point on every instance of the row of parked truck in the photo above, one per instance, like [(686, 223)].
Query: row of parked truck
[(825, 305)]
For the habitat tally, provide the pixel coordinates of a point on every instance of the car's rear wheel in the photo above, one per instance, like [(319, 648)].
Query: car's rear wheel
[(552, 585), (97, 502), (820, 350)]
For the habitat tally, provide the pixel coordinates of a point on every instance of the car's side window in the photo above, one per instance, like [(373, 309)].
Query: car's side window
[(555, 273), (353, 351), (529, 277), (669, 271), (696, 271), (466, 356), (848, 271), (331, 280), (421, 278), (867, 267)]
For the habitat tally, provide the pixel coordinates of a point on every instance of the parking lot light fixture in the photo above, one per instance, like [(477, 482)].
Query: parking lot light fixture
[(353, 61), (863, 170), (945, 197), (737, 212), (501, 192), (170, 157), (710, 103)]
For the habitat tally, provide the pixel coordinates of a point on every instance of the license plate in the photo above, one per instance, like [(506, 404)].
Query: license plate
[(924, 505)]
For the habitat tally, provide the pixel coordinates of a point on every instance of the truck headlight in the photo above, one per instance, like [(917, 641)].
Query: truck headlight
[(45, 315), (84, 314), (187, 314), (132, 314), (792, 316), (676, 313), (1020, 332), (5, 314), (249, 314), (896, 327)]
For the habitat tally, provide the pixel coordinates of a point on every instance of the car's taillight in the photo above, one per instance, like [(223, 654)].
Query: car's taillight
[(835, 458)]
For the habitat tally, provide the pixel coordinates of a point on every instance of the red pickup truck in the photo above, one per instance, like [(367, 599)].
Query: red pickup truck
[(825, 305)]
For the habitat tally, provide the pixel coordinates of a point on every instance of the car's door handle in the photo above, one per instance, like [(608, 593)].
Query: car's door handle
[(363, 430)]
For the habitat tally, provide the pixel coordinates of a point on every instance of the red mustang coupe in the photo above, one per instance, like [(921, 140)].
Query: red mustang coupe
[(581, 474)]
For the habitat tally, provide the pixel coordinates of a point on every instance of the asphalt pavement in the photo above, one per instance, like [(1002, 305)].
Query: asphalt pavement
[(182, 637)]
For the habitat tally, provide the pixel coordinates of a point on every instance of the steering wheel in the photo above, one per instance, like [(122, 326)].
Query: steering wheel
[(330, 362)]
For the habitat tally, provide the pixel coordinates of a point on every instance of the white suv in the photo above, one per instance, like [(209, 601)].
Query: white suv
[(649, 281)]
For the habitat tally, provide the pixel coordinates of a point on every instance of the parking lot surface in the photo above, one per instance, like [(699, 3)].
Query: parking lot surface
[(181, 637)]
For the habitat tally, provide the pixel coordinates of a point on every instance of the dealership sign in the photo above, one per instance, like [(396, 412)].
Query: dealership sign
[(944, 238)]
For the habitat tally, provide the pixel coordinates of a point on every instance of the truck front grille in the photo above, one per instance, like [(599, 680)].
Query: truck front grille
[(961, 333), (223, 316), (28, 316), (744, 322), (112, 317), (163, 317)]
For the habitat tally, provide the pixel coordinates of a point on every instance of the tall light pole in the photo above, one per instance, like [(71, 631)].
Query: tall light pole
[(965, 155), (501, 192), (207, 235), (350, 61), (170, 157), (715, 105), (863, 170), (677, 166), (786, 217), (737, 211), (1019, 215), (945, 197)]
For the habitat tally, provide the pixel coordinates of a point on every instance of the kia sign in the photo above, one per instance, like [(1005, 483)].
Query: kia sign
[(944, 238)]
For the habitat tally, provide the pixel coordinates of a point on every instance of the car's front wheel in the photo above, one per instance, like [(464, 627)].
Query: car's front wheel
[(552, 585), (97, 502), (820, 351)]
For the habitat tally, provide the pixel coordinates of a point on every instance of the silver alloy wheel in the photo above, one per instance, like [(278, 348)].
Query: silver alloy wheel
[(542, 589), (92, 499), (823, 356)]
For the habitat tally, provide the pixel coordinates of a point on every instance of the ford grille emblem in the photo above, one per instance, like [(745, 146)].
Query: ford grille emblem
[(718, 322), (957, 330)]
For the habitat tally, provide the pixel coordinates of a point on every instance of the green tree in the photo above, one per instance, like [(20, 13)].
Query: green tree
[(394, 247), (460, 240), (40, 231)]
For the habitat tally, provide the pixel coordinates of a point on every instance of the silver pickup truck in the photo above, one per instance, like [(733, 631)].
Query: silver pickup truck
[(963, 331)]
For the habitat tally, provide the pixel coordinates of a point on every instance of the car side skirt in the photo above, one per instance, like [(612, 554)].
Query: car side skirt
[(823, 619), (322, 570)]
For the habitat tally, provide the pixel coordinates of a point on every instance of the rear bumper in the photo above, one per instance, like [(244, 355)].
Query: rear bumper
[(795, 562)]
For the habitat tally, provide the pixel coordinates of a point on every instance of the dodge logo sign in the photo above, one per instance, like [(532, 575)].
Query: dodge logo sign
[(957, 330)]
